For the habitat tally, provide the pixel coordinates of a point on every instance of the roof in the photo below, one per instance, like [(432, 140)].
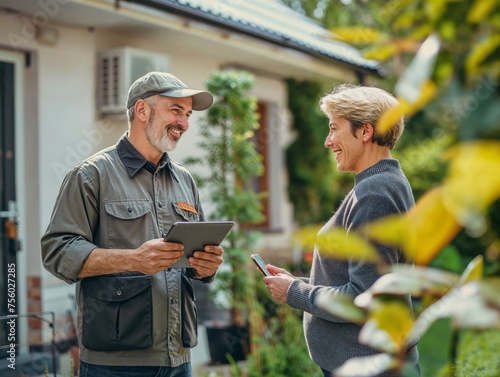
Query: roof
[(271, 21)]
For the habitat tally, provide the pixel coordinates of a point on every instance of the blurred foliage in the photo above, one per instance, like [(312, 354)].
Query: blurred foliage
[(278, 345), (309, 165), (449, 259), (445, 54), (373, 13), (478, 353), (282, 350), (470, 300), (231, 161), (422, 162)]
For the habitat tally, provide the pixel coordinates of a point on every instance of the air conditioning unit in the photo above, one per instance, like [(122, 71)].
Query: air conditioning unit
[(118, 68)]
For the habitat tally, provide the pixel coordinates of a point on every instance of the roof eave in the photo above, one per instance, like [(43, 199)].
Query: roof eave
[(195, 14)]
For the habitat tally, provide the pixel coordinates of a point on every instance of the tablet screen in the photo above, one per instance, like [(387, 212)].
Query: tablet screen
[(195, 236)]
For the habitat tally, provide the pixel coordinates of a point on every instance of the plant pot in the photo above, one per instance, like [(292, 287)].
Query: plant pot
[(227, 340)]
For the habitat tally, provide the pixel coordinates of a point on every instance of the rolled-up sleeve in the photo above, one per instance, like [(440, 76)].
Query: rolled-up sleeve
[(68, 240)]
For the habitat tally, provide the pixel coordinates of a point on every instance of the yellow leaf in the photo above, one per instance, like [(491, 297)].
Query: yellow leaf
[(395, 319), (336, 243), (358, 35), (428, 91), (435, 8), (339, 244), (404, 21), (448, 30), (473, 181), (306, 236), (423, 31), (443, 71), (247, 135), (381, 53), (480, 10), (422, 232), (391, 117), (433, 224), (480, 52), (391, 230), (474, 271)]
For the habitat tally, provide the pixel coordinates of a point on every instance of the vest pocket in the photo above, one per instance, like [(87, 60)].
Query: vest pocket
[(189, 314), (117, 313)]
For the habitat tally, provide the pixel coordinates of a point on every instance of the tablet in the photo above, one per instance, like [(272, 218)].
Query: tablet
[(195, 236)]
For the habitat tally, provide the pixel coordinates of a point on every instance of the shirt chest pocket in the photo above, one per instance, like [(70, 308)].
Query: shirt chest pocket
[(184, 211), (130, 223)]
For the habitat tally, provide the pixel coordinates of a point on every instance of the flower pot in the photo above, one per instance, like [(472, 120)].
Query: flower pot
[(227, 340)]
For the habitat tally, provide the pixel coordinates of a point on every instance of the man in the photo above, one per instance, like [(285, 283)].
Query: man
[(380, 189), (136, 315)]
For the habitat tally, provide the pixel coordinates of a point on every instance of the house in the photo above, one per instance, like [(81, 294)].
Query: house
[(65, 66)]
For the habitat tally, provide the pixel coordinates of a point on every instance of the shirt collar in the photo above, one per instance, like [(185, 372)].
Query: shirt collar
[(134, 161)]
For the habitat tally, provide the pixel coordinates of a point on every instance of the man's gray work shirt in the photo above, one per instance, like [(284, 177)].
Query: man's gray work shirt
[(116, 199)]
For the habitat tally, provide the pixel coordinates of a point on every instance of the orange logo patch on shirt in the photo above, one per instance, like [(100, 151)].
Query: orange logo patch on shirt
[(187, 207)]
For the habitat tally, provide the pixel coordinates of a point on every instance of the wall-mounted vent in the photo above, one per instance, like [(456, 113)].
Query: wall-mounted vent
[(118, 68)]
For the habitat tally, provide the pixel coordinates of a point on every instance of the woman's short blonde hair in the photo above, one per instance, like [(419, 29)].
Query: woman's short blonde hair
[(360, 105)]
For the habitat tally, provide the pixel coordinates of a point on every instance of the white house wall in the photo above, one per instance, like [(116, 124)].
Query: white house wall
[(64, 127)]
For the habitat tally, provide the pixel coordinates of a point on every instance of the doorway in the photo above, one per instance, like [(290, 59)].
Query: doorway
[(9, 244)]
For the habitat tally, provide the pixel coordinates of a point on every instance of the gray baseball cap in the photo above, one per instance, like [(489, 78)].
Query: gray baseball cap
[(166, 84)]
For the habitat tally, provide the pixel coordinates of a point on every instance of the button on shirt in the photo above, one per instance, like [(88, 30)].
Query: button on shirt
[(117, 199)]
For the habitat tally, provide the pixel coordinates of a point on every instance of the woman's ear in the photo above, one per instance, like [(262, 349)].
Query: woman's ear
[(368, 132)]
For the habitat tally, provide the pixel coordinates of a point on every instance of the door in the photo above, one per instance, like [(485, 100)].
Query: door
[(8, 214)]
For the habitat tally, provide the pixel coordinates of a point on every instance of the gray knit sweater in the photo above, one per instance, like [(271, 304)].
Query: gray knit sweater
[(380, 190)]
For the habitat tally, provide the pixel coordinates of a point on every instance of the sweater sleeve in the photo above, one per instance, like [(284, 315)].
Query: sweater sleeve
[(361, 275), (302, 296)]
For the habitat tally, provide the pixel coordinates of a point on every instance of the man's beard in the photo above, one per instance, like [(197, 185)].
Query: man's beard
[(158, 137)]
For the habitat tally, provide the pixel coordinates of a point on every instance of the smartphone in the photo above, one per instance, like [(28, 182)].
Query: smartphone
[(261, 265)]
